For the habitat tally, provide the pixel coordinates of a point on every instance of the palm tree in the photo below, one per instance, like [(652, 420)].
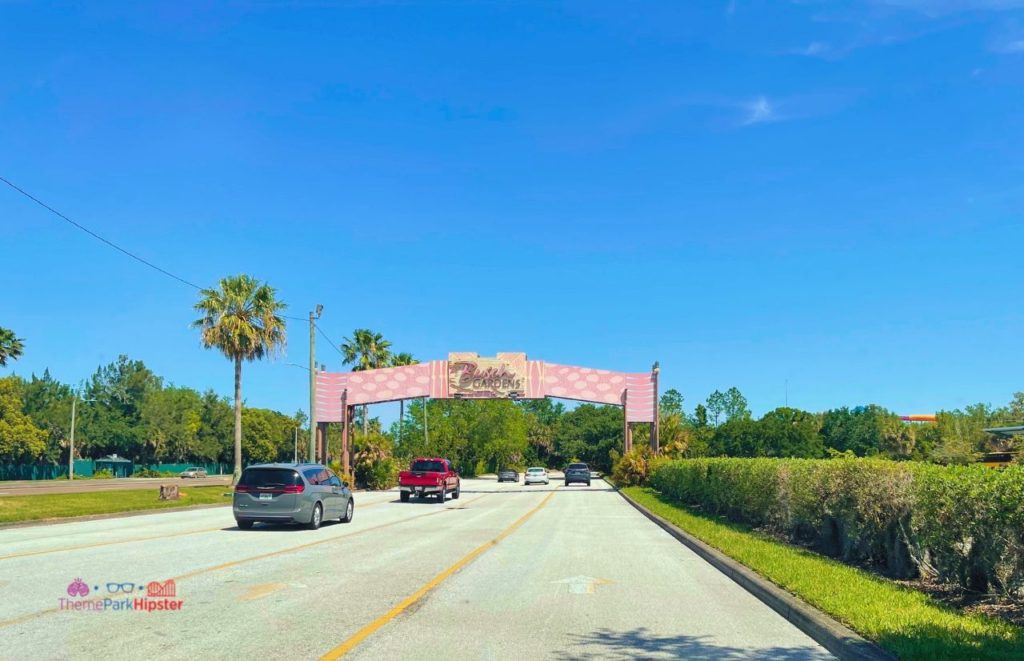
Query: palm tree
[(10, 346), (365, 350), (401, 360), (240, 318)]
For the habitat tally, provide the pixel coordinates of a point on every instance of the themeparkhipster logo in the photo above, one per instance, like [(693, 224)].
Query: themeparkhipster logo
[(121, 597)]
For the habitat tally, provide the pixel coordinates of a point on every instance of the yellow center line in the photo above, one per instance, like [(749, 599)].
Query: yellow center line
[(26, 554), (262, 556), (369, 629)]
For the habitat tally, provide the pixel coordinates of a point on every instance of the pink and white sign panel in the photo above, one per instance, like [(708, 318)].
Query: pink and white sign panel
[(431, 379)]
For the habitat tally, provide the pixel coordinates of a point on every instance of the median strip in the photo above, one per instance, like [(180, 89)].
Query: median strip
[(369, 629)]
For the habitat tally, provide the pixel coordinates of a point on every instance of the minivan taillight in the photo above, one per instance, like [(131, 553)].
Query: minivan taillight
[(241, 488), (294, 488)]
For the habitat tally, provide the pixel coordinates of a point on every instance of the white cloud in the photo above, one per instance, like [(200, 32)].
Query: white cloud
[(814, 49), (1009, 46), (759, 111)]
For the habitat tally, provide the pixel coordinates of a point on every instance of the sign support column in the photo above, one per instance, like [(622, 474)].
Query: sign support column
[(345, 416)]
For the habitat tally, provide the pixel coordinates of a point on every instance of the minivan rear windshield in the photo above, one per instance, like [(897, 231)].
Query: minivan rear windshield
[(428, 466), (577, 466), (270, 477)]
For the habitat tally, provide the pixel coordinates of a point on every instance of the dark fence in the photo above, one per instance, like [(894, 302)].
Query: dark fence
[(85, 468)]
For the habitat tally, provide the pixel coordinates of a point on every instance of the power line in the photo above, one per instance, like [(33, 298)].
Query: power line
[(133, 255), (330, 341), (97, 236)]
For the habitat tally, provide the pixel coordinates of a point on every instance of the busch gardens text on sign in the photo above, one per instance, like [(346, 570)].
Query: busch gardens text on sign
[(471, 376)]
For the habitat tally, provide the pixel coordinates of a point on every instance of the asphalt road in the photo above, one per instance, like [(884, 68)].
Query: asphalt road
[(36, 487), (506, 572)]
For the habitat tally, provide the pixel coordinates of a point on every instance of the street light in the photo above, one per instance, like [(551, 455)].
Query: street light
[(71, 443)]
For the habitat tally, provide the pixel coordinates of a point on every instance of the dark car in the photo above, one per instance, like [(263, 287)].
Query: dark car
[(291, 493), (508, 475), (577, 473)]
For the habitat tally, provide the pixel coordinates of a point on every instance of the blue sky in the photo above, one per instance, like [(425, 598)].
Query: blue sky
[(827, 194)]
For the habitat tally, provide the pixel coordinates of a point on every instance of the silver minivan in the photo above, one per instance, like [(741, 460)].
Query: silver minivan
[(291, 493)]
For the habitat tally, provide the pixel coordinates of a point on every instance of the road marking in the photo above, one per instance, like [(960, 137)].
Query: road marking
[(242, 561), (26, 554), (582, 584), (262, 590), (369, 629)]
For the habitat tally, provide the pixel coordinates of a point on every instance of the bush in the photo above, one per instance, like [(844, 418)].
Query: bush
[(373, 465), (961, 524), (634, 468), (102, 474)]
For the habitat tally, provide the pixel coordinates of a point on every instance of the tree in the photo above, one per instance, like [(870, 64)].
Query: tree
[(789, 432), (365, 350), (241, 319), (111, 423), (402, 360), (10, 346), (590, 433), (215, 427), (672, 402), (716, 407), (20, 440), (171, 419), (735, 404), (48, 402)]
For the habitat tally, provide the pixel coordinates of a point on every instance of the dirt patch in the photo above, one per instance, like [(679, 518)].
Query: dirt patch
[(970, 602)]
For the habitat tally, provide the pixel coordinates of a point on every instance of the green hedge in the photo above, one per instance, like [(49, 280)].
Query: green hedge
[(961, 524)]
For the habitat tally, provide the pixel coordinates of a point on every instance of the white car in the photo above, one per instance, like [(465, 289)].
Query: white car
[(536, 476)]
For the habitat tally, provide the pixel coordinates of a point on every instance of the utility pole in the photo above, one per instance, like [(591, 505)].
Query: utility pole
[(71, 444), (426, 433), (312, 381), (296, 457), (656, 425), (71, 440)]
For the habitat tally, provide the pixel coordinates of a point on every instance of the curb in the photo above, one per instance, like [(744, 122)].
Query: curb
[(837, 638), (109, 515)]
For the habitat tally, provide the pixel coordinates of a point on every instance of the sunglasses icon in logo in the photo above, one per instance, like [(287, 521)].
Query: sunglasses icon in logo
[(114, 588), (78, 588)]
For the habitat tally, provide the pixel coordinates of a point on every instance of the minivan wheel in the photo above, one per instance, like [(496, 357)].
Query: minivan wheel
[(316, 517), (244, 525), (350, 511)]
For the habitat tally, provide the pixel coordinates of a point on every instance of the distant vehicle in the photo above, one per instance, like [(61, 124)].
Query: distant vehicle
[(595, 475), (431, 476), (536, 475), (577, 473), (507, 474), (194, 471), (291, 493)]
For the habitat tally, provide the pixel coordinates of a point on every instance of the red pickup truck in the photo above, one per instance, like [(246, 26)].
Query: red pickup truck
[(429, 476)]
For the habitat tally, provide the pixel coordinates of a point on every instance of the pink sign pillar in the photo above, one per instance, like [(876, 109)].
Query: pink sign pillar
[(346, 417)]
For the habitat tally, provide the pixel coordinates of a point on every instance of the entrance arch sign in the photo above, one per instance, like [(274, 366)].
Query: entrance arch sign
[(505, 376)]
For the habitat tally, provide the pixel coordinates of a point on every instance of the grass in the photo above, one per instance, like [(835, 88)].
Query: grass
[(906, 622), (60, 505)]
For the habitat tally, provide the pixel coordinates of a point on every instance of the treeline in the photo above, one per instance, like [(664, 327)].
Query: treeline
[(126, 409), (724, 427)]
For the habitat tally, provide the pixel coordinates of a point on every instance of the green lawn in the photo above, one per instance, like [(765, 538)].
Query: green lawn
[(906, 622), (59, 505)]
